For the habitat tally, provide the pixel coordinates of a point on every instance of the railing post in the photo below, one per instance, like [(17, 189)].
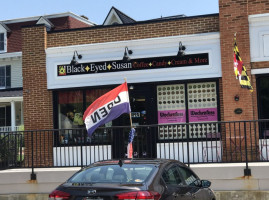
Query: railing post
[(247, 171), (33, 175), (188, 147), (83, 139)]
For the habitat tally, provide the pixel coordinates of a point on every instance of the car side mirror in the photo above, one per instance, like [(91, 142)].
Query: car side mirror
[(205, 183)]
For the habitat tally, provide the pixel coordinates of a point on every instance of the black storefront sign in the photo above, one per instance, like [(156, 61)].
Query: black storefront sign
[(134, 64)]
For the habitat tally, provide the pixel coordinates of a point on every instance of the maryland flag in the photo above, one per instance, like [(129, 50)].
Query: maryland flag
[(240, 70)]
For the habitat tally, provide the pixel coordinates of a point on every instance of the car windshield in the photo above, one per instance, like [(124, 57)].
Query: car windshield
[(128, 173)]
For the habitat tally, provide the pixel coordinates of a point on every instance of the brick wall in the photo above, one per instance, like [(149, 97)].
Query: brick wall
[(233, 16), (74, 23), (37, 99), (259, 65), (234, 19), (101, 34), (14, 41), (63, 23)]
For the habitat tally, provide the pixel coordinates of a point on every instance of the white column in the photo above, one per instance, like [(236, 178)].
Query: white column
[(13, 116)]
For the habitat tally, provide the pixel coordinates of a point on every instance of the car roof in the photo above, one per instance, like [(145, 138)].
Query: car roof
[(137, 161)]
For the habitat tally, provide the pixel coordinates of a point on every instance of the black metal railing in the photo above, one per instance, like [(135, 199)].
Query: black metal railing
[(212, 142)]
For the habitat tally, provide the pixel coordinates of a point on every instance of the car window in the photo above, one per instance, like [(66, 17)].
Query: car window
[(172, 176), (128, 173), (189, 177)]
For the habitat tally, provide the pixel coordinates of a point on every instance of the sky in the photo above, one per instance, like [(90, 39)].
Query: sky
[(97, 10)]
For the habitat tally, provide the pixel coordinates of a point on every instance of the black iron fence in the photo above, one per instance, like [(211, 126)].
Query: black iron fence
[(213, 142)]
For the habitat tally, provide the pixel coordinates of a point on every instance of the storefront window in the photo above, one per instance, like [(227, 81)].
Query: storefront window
[(70, 107), (171, 110), (70, 117), (200, 110), (100, 135)]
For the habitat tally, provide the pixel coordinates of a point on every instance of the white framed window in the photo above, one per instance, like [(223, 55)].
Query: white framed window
[(2, 42), (3, 37), (5, 77)]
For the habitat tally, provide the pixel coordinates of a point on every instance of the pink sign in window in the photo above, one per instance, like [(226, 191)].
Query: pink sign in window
[(171, 116), (203, 115)]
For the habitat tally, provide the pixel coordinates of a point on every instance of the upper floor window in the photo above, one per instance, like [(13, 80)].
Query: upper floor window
[(3, 37), (5, 77), (2, 42)]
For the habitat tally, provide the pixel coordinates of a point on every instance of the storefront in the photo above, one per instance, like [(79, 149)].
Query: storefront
[(164, 88)]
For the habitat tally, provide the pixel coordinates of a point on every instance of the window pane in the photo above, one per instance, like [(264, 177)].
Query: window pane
[(202, 106), (70, 106), (99, 136), (171, 110), (2, 82), (188, 176), (109, 174), (2, 77), (172, 176), (2, 42), (92, 95), (2, 72)]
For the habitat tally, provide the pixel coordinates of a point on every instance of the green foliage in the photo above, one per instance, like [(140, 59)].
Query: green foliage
[(10, 149)]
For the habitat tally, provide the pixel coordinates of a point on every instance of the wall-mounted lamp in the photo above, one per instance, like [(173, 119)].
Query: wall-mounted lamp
[(126, 54), (74, 61), (181, 50), (131, 87), (236, 97)]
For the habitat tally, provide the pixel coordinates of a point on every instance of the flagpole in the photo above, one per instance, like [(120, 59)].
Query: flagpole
[(130, 114)]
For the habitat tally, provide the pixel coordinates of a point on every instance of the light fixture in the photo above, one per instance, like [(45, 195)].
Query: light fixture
[(131, 87), (74, 61), (236, 97), (126, 54), (181, 50)]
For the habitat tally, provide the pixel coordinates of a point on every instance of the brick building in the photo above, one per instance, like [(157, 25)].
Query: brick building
[(198, 85), (11, 81)]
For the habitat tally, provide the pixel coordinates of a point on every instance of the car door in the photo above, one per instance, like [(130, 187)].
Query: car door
[(194, 185), (174, 184)]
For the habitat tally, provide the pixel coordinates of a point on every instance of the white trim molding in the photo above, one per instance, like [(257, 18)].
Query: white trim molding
[(260, 71), (10, 99), (11, 56)]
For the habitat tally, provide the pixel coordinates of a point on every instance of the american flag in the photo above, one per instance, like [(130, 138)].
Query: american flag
[(130, 143)]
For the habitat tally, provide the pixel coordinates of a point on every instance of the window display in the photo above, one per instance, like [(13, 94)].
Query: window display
[(202, 107), (200, 110), (171, 110), (70, 116)]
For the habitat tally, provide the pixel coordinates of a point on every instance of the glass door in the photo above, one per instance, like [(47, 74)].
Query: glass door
[(142, 103)]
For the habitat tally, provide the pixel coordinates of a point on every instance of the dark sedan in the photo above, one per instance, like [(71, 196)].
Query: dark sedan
[(134, 179)]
